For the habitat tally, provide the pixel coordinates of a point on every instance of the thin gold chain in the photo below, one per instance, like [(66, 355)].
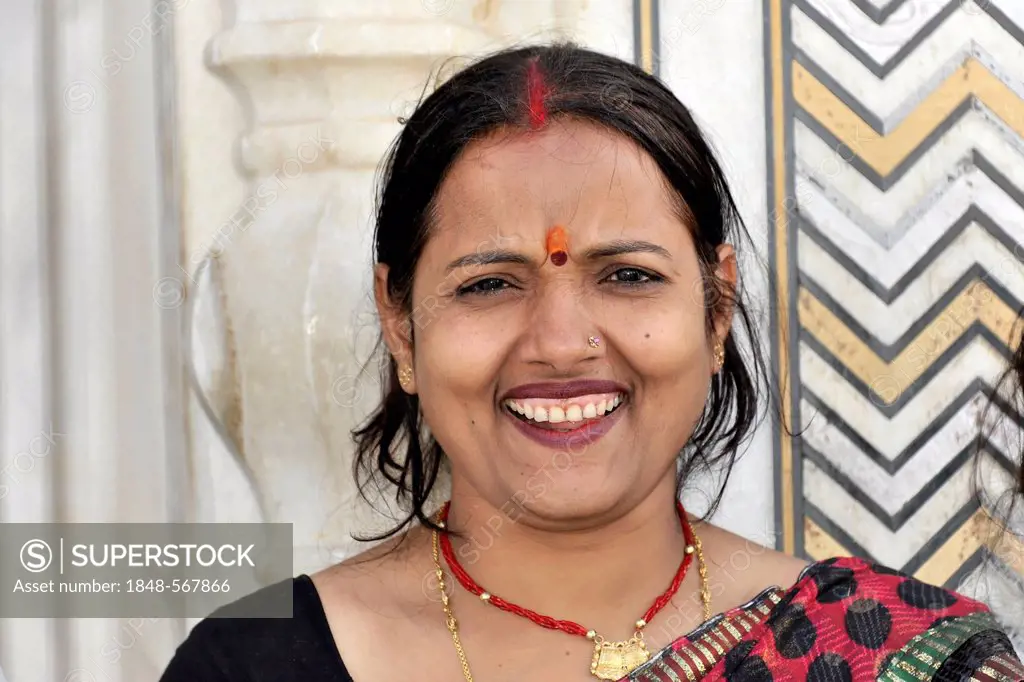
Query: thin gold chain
[(453, 625), (705, 592)]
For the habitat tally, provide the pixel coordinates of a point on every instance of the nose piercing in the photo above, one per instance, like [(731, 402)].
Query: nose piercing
[(594, 341)]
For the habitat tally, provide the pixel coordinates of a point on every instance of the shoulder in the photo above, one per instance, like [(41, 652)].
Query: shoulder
[(871, 605), (839, 579), (743, 568), (902, 621), (235, 644), (385, 592)]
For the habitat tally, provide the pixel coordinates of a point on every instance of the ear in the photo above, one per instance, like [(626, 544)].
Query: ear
[(395, 325), (726, 274)]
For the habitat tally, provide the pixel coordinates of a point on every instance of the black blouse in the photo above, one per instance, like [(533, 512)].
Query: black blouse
[(263, 649)]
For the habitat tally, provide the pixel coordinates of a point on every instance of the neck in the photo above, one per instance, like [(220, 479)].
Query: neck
[(590, 574)]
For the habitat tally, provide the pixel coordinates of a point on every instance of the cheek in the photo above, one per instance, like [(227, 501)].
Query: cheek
[(674, 371), (666, 345), (458, 360)]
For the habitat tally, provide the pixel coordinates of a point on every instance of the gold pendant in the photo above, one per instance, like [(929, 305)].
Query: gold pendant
[(615, 660)]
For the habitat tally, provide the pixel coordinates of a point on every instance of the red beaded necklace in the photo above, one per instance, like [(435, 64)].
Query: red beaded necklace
[(610, 658)]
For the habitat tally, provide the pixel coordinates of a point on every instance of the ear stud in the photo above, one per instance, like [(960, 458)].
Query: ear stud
[(405, 377), (719, 354)]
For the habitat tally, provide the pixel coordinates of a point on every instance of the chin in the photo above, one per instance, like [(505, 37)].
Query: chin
[(571, 497)]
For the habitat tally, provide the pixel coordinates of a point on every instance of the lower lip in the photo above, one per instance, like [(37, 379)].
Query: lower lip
[(587, 434)]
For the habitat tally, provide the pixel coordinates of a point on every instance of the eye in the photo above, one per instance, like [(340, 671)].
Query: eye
[(632, 276), (486, 286)]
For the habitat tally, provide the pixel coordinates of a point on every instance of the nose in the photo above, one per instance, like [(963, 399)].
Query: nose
[(558, 328)]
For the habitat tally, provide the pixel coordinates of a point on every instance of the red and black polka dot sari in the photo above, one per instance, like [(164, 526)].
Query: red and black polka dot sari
[(844, 620)]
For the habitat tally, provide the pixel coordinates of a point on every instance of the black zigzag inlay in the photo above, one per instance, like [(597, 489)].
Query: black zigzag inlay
[(896, 521), (890, 351), (873, 120), (920, 557), (990, 563), (910, 391), (973, 213), (941, 537), (923, 438), (840, 535), (885, 182), (828, 25), (826, 79), (878, 14), (968, 567), (802, 508)]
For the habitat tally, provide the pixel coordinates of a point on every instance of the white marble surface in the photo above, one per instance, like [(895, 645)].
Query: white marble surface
[(713, 55), (88, 352)]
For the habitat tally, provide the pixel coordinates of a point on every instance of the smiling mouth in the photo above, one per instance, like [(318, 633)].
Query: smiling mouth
[(565, 415)]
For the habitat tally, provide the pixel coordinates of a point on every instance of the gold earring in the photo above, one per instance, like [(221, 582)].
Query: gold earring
[(719, 355), (405, 377)]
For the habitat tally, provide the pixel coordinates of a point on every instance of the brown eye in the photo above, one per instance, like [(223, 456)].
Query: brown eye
[(489, 285), (632, 276)]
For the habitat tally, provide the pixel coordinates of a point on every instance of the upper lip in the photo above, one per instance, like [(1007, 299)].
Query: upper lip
[(564, 389)]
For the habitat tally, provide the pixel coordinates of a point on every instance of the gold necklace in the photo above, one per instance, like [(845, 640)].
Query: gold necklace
[(453, 625)]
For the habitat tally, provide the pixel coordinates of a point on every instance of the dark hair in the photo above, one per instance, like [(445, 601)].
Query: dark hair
[(1016, 374), (1010, 385), (498, 93)]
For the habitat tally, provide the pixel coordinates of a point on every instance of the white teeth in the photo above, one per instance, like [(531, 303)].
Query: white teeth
[(547, 410)]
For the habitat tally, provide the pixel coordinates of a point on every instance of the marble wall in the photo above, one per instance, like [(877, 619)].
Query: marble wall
[(898, 168), (185, 192), (185, 215), (91, 387)]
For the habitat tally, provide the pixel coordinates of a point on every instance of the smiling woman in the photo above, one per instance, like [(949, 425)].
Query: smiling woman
[(557, 286)]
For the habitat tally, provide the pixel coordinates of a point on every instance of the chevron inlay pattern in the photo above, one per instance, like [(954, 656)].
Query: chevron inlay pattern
[(898, 199)]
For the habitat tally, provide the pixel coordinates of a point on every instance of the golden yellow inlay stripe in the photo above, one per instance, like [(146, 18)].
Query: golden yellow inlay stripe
[(647, 35), (779, 216), (885, 152), (976, 303), (818, 544), (978, 531)]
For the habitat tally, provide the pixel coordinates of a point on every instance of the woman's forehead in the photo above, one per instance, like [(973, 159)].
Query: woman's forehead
[(594, 182), (575, 150)]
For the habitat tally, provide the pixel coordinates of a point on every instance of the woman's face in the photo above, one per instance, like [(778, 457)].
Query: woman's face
[(533, 416)]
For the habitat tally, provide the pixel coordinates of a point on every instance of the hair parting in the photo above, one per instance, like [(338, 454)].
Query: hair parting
[(536, 92)]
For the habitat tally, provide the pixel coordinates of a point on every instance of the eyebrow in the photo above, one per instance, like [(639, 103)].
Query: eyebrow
[(610, 249), (622, 246), (488, 258)]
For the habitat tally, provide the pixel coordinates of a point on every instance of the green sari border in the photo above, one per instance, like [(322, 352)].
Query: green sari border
[(920, 659)]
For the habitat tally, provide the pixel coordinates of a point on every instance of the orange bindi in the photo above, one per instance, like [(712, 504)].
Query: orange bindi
[(558, 245)]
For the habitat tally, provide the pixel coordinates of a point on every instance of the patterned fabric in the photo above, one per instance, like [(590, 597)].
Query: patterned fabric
[(844, 620)]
